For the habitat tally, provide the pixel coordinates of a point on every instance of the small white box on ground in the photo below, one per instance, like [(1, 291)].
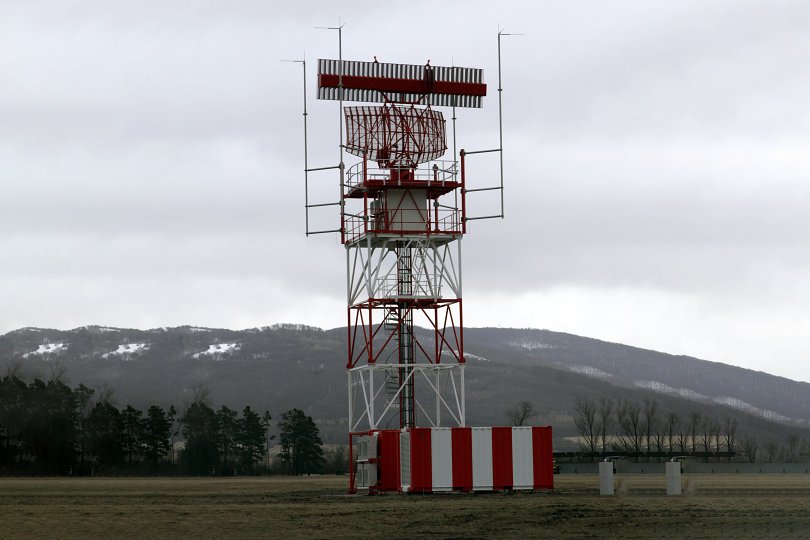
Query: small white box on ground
[(606, 478), (673, 478)]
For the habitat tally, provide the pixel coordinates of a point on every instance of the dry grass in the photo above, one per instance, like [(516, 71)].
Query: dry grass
[(713, 506)]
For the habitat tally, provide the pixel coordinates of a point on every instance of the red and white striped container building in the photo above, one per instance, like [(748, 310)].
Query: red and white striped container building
[(430, 460)]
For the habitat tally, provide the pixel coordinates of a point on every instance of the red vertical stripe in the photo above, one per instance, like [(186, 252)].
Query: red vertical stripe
[(462, 458), (389, 461), (543, 458), (421, 461), (502, 458)]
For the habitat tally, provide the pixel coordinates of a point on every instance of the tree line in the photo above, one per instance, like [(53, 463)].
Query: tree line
[(625, 425), (50, 428)]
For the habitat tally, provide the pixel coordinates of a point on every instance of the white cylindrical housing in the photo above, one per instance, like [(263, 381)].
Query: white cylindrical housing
[(606, 478), (673, 478), (407, 210)]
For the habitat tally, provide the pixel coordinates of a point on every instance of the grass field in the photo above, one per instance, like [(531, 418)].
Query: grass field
[(713, 506)]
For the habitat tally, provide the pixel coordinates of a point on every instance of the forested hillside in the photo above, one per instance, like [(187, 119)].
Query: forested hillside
[(285, 366)]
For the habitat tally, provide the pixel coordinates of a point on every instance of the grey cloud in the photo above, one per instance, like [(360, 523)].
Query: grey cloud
[(151, 157)]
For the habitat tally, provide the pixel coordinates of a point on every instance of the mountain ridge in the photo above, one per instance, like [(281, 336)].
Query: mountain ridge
[(285, 365)]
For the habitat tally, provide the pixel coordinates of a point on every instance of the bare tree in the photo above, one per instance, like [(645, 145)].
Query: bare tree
[(715, 434), (659, 437), (683, 438), (605, 414), (650, 420), (673, 423), (704, 432), (793, 446), (105, 394), (57, 372), (199, 394), (749, 446), (709, 430), (585, 421), (521, 413), (13, 369), (771, 449), (694, 425), (729, 434), (629, 432)]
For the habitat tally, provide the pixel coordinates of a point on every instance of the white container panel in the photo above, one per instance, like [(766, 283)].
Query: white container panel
[(367, 447), (482, 458), (366, 475), (441, 457), (405, 460), (522, 458)]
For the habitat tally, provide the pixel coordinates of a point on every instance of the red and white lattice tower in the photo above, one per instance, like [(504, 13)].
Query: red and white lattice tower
[(403, 217), (403, 214)]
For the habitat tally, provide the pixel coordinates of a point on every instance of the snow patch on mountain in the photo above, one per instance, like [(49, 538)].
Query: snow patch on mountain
[(529, 344), (747, 407), (691, 394), (658, 386), (47, 349), (127, 349), (590, 371), (216, 350), (467, 356)]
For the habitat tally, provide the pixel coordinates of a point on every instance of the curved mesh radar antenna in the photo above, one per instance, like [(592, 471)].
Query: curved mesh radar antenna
[(395, 136)]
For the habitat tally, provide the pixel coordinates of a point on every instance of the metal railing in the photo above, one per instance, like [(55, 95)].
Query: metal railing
[(439, 172), (443, 220)]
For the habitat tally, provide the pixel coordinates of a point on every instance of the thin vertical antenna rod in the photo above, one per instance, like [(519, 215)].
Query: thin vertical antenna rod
[(339, 28), (306, 151), (340, 92), (341, 165), (455, 155), (500, 118), (455, 161), (500, 111), (340, 125)]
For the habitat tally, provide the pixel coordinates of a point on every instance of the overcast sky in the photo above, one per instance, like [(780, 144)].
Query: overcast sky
[(657, 166)]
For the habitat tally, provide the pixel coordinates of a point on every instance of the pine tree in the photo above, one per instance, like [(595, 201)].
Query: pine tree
[(301, 446), (199, 422), (105, 434), (81, 397), (250, 438), (13, 415), (227, 424), (132, 430), (156, 434)]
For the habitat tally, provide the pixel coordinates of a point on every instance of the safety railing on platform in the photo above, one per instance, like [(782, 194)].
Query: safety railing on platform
[(434, 173), (443, 220)]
